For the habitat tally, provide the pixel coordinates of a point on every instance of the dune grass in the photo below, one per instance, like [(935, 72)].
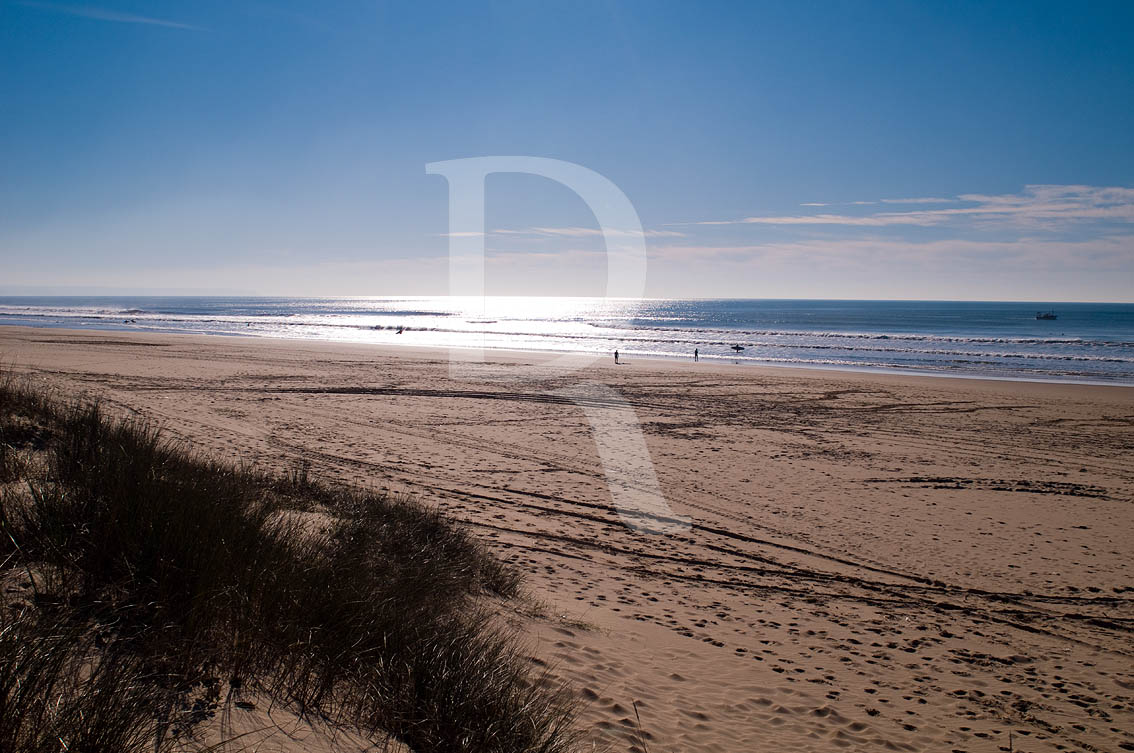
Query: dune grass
[(156, 586)]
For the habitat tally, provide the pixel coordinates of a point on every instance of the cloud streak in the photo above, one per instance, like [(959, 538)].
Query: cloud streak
[(103, 14), (920, 200), (1115, 252), (587, 232), (564, 232), (1049, 207)]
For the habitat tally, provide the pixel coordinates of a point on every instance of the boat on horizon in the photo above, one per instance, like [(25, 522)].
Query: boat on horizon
[(1046, 315)]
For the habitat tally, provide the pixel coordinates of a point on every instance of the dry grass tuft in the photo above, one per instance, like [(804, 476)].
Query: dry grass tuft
[(157, 584)]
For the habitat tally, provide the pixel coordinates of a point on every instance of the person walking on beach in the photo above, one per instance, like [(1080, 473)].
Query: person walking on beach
[(616, 356), (696, 354)]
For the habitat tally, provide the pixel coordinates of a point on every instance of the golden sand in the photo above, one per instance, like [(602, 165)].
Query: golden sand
[(875, 562)]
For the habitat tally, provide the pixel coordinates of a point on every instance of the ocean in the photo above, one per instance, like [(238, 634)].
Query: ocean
[(1087, 342)]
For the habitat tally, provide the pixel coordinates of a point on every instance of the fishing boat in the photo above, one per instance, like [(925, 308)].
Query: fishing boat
[(1046, 315)]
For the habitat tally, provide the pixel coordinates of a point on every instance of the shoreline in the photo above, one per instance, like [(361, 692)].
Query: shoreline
[(534, 356)]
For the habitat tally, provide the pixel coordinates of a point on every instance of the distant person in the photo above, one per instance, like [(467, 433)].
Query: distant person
[(616, 356), (696, 355)]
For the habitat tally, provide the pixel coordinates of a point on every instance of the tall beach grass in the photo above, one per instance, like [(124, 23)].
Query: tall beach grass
[(149, 587)]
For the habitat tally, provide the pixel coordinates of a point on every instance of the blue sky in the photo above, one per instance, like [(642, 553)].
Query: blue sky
[(945, 150)]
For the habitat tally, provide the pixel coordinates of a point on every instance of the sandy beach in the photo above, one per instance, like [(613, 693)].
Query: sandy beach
[(874, 562)]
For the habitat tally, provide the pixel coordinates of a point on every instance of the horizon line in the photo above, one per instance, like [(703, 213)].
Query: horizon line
[(238, 294)]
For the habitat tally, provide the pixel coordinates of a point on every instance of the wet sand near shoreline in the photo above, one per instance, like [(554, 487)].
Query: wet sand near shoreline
[(874, 562)]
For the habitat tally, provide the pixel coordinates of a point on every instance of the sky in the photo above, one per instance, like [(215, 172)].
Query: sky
[(871, 150)]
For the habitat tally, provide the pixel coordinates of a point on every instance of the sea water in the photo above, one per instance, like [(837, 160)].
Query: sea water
[(1087, 342)]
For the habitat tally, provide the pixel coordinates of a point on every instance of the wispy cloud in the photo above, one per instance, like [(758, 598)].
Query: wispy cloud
[(577, 232), (837, 203), (1039, 207), (821, 219), (1115, 252), (583, 232), (104, 14), (919, 200)]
